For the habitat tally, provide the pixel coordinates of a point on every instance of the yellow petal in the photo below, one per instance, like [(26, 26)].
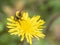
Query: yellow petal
[(41, 35), (36, 37), (25, 16), (12, 30), (35, 18), (11, 24), (41, 22), (10, 27), (11, 20), (27, 38), (30, 40), (22, 37), (14, 33)]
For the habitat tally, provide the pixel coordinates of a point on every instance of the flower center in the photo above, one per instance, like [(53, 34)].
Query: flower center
[(26, 26)]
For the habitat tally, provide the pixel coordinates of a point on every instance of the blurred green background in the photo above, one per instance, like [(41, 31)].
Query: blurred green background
[(49, 10)]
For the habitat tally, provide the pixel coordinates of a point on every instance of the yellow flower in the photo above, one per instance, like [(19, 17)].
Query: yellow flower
[(26, 27)]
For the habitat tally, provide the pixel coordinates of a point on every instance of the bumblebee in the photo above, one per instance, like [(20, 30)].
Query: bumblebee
[(18, 15)]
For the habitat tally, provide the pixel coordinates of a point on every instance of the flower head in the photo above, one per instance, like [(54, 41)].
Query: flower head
[(26, 27)]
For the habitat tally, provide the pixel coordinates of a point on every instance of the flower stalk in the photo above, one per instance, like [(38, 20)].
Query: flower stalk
[(22, 42)]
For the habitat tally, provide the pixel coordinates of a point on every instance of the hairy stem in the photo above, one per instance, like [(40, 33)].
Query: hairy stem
[(22, 42)]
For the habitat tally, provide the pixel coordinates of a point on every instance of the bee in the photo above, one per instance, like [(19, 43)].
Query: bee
[(18, 15)]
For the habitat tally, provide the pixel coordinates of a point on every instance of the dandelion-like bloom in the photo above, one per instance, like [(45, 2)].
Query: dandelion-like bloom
[(26, 27)]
